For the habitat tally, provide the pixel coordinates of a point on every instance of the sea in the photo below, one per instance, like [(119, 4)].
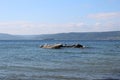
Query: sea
[(25, 60)]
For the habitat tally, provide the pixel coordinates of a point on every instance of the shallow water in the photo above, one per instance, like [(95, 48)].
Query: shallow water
[(24, 60)]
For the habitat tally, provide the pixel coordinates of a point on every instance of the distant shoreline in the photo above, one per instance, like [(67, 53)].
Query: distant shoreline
[(59, 40), (112, 35)]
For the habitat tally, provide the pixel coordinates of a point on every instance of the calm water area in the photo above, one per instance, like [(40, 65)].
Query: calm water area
[(25, 60)]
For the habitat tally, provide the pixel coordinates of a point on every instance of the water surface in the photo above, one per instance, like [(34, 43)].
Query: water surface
[(24, 60)]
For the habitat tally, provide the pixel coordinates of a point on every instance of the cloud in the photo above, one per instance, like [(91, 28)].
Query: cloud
[(104, 21), (51, 28), (32, 24), (106, 26), (38, 28), (110, 15)]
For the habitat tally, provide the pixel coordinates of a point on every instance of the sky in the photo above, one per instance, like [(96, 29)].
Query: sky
[(27, 17)]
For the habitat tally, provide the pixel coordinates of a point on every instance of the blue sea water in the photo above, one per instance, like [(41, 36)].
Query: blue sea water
[(25, 60)]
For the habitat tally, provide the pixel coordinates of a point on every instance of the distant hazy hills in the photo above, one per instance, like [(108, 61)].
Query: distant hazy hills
[(112, 35)]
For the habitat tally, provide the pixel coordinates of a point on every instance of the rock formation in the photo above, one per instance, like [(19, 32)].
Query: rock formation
[(58, 46)]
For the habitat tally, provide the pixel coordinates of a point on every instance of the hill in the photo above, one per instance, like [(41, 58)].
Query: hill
[(112, 35), (9, 37)]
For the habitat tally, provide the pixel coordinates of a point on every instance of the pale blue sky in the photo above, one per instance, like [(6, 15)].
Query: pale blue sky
[(57, 16)]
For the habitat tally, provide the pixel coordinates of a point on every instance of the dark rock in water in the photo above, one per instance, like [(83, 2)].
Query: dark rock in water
[(41, 46), (78, 46), (58, 46)]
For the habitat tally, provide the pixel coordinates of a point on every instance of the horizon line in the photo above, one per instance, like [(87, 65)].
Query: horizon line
[(60, 33)]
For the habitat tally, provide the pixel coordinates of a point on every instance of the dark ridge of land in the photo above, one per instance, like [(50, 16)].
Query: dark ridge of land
[(111, 35)]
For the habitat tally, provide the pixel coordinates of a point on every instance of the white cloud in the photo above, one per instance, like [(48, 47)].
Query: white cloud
[(110, 15), (47, 28), (104, 21), (38, 28), (32, 24), (97, 24), (105, 26)]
